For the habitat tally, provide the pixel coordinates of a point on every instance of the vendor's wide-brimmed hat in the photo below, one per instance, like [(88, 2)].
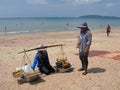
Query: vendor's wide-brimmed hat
[(83, 25)]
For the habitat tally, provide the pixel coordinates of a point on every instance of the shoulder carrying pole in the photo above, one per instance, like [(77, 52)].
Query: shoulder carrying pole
[(42, 47)]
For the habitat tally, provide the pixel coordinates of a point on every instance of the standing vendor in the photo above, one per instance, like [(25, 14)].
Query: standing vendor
[(84, 42)]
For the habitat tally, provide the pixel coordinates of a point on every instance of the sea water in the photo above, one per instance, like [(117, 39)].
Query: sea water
[(51, 24)]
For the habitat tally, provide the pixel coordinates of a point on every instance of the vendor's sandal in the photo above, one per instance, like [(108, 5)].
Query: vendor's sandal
[(84, 73)]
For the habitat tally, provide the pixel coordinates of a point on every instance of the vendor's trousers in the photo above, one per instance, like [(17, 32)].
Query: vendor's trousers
[(46, 69), (84, 61)]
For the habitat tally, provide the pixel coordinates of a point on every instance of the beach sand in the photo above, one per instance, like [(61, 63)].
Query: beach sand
[(103, 69)]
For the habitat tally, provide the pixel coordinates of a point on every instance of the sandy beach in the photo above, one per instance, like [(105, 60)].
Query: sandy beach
[(103, 69)]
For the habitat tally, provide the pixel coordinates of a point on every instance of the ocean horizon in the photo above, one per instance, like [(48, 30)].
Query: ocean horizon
[(51, 24)]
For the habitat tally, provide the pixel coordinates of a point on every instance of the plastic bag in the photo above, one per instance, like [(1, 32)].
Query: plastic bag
[(26, 68)]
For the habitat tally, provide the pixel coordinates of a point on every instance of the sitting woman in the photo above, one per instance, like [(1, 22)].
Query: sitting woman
[(41, 60)]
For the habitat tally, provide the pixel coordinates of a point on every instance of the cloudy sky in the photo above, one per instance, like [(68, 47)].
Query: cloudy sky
[(58, 8)]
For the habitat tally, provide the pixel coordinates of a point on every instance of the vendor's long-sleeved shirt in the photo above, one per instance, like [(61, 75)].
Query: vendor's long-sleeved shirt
[(36, 61), (85, 39), (40, 59)]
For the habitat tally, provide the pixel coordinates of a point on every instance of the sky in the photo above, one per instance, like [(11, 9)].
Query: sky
[(58, 8)]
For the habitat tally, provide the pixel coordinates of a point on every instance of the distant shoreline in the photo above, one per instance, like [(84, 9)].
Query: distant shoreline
[(99, 16), (84, 16)]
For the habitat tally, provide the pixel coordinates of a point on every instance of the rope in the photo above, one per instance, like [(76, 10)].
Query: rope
[(25, 57), (62, 54), (28, 59)]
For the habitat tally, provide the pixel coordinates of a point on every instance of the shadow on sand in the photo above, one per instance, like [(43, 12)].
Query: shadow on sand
[(38, 80), (96, 70), (70, 70)]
